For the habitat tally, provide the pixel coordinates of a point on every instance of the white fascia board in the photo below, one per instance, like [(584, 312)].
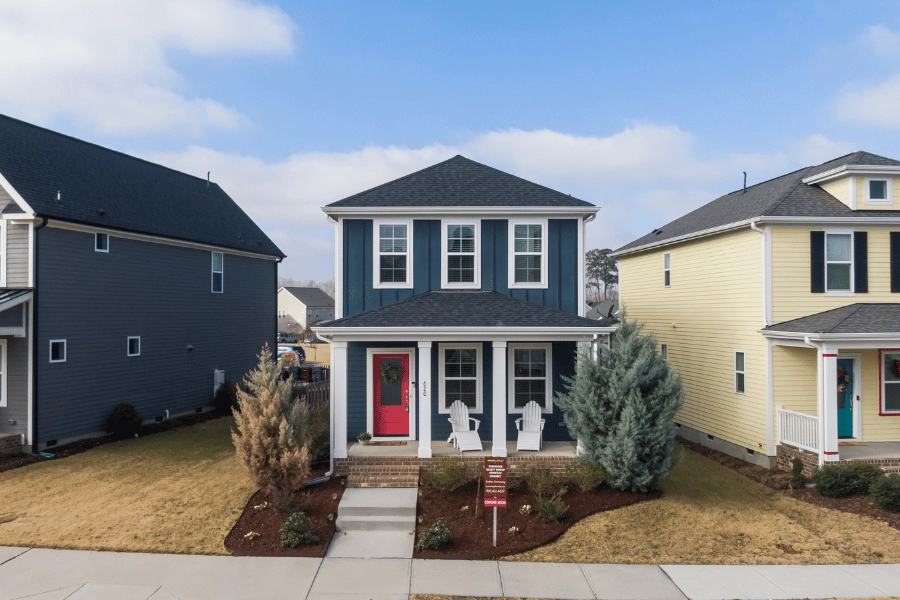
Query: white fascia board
[(832, 221), (16, 196), (845, 170), (886, 336), (461, 333), (455, 211), (687, 236), (15, 301), (155, 239)]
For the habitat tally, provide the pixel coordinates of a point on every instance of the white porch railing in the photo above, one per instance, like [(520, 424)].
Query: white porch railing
[(798, 430)]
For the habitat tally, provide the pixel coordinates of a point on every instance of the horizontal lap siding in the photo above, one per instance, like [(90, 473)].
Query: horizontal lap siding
[(17, 241), (875, 427), (840, 189), (713, 307), (795, 379), (159, 292), (17, 385)]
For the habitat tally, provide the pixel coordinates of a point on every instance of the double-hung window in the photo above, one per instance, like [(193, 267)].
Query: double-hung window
[(530, 377), (460, 260), (218, 272), (667, 270), (528, 253), (838, 262), (739, 374), (460, 376), (879, 191), (393, 254), (890, 383)]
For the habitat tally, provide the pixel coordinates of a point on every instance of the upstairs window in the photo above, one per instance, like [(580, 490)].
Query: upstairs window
[(878, 191), (218, 272), (57, 351), (667, 270), (392, 255), (739, 374), (134, 345), (838, 262), (460, 257), (101, 242), (528, 251)]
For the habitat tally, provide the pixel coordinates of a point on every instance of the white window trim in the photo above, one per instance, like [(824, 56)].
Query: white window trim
[(4, 374), (511, 377), (65, 351), (212, 271), (96, 237), (664, 351), (852, 290), (667, 270), (376, 255), (479, 377), (5, 250), (511, 269), (476, 285), (744, 372), (128, 345), (890, 190), (881, 409)]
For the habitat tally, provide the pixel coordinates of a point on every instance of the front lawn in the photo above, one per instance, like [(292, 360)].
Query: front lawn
[(177, 491), (709, 514)]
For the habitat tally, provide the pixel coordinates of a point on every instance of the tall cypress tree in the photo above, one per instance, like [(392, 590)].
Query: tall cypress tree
[(622, 409)]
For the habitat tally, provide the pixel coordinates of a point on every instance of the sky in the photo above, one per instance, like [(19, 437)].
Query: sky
[(646, 109)]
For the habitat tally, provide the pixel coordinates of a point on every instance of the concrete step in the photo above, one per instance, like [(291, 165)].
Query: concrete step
[(379, 511), (376, 523)]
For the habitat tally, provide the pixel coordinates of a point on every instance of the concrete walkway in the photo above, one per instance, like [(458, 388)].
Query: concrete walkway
[(75, 575)]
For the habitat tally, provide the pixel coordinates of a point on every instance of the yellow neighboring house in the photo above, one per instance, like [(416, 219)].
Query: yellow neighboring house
[(779, 305)]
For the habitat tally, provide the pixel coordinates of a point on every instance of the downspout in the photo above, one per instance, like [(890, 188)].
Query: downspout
[(324, 478), (34, 344)]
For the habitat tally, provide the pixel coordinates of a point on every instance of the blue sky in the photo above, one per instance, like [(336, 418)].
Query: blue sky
[(646, 109)]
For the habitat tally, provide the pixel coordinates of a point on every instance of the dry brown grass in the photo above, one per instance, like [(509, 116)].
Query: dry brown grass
[(178, 491), (318, 353), (711, 515)]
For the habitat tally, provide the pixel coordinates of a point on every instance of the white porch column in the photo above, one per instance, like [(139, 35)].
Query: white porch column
[(423, 394), (828, 415), (339, 398), (499, 401)]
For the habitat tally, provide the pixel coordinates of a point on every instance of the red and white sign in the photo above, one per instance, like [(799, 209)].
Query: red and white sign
[(495, 482)]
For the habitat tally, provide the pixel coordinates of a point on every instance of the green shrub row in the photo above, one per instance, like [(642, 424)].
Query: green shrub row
[(839, 481)]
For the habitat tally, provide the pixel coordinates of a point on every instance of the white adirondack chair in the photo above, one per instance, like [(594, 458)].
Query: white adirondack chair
[(464, 436), (531, 428)]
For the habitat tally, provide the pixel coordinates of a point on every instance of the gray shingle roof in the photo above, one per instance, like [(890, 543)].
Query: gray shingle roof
[(105, 188), (311, 296), (785, 196), (854, 318), (465, 309), (459, 182)]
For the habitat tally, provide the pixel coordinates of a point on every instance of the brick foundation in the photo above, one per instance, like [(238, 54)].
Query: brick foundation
[(785, 456), (10, 444)]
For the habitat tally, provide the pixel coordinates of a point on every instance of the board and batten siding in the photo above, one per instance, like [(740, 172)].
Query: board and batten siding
[(159, 292), (713, 308), (563, 263), (17, 254)]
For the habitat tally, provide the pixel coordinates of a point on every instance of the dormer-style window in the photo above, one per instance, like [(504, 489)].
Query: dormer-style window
[(460, 266), (528, 253), (878, 191), (393, 254), (838, 262)]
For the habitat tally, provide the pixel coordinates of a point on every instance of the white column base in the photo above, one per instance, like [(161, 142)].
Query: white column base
[(498, 430), (423, 393)]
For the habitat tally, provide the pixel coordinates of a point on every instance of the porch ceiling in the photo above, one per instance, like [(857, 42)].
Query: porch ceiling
[(443, 448)]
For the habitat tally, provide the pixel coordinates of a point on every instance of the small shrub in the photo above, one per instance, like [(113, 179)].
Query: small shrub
[(886, 493), (448, 475), (436, 537), (123, 421), (552, 508), (287, 501), (846, 480), (295, 531), (798, 479), (541, 480), (225, 399), (584, 476)]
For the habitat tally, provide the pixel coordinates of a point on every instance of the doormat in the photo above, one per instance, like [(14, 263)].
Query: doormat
[(388, 443), (852, 444)]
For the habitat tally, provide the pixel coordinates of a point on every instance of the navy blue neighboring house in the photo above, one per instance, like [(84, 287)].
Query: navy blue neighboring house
[(456, 283), (120, 281)]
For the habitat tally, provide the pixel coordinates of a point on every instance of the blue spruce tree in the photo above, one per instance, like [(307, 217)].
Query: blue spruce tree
[(622, 408)]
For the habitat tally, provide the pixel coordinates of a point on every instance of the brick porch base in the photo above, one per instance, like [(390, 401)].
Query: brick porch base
[(786, 454)]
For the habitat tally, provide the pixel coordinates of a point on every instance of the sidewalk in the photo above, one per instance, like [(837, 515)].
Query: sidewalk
[(76, 575)]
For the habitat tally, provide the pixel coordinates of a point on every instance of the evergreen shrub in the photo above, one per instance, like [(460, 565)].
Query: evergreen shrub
[(839, 481), (225, 400), (585, 476), (448, 475), (123, 421), (436, 537), (798, 479), (295, 531), (552, 508), (886, 493), (542, 480)]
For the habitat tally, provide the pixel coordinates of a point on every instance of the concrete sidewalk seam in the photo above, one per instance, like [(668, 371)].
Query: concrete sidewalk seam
[(841, 567), (669, 577), (590, 587), (319, 566), (763, 575), (15, 557), (500, 578)]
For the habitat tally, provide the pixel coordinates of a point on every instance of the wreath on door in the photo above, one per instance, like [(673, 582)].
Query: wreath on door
[(390, 372)]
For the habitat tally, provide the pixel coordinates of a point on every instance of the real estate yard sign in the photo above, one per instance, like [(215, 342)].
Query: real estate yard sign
[(495, 486)]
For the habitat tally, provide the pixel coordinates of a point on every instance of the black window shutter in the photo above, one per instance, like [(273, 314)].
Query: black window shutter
[(895, 261), (860, 261), (817, 261)]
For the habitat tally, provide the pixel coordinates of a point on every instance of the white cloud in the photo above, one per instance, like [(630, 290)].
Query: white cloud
[(882, 40), (817, 149), (641, 177), (875, 105), (106, 63)]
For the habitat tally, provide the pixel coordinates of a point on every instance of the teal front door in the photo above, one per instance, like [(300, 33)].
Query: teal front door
[(845, 394)]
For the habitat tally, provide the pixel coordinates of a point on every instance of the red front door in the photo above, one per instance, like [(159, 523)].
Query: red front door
[(391, 394)]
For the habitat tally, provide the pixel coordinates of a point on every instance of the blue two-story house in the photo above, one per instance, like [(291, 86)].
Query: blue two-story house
[(459, 282)]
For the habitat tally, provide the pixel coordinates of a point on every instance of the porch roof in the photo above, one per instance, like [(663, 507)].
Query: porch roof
[(14, 297), (465, 310), (853, 319)]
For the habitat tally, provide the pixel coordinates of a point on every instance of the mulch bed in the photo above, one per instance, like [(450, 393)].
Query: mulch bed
[(780, 480), (472, 535), (15, 461), (268, 522)]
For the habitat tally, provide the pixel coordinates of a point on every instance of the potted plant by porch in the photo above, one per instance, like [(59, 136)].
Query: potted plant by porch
[(364, 438)]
